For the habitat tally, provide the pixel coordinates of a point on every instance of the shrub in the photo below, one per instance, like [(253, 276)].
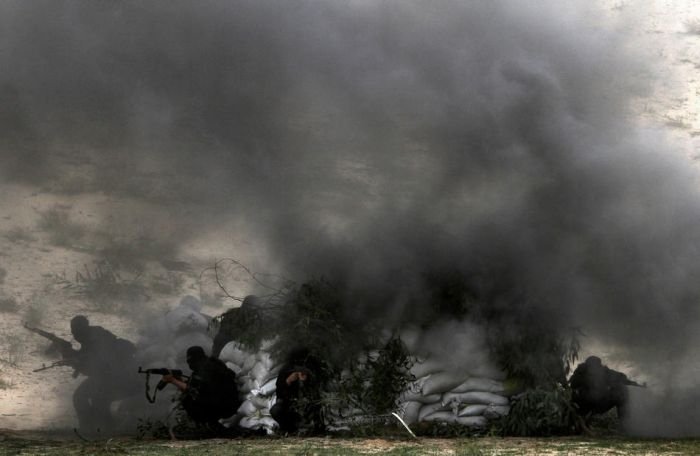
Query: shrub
[(541, 412)]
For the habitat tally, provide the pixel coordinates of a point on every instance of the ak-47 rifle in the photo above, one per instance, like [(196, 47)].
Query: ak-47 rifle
[(62, 346), (177, 373), (61, 362), (633, 383)]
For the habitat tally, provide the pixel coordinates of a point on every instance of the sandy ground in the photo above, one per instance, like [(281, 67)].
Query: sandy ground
[(33, 263)]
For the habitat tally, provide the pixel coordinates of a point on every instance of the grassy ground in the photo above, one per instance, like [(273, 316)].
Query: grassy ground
[(17, 443)]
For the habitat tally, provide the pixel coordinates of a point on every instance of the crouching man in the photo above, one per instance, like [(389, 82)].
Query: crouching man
[(596, 388), (211, 393), (298, 405)]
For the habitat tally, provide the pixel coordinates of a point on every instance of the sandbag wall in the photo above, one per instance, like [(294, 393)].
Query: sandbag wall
[(441, 395), (256, 376)]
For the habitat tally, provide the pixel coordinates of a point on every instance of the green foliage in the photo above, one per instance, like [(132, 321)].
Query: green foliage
[(533, 353), (248, 325), (540, 412), (375, 385)]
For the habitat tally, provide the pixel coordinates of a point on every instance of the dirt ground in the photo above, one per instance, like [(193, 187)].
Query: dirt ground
[(33, 443)]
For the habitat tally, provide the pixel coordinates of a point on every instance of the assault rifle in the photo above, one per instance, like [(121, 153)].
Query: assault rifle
[(62, 346), (633, 383), (177, 373), (62, 362)]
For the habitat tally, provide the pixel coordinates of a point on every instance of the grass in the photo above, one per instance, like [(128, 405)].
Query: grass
[(32, 443)]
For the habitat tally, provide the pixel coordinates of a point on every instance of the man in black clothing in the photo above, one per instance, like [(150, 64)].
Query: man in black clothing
[(597, 388), (298, 394), (211, 393), (108, 363)]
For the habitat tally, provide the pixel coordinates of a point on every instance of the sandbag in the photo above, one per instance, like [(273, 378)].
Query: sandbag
[(248, 384), (250, 422), (427, 367), (260, 402), (475, 397), (441, 416), (472, 410), (265, 360), (248, 363), (232, 352), (429, 409), (259, 372), (409, 411), (442, 382), (480, 384), (493, 412), (418, 397), (231, 421), (234, 367), (268, 388), (268, 422), (247, 408)]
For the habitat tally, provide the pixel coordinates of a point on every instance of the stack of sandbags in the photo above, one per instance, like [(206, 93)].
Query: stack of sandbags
[(441, 395), (256, 375)]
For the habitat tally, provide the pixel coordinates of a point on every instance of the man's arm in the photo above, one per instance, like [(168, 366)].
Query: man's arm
[(179, 383)]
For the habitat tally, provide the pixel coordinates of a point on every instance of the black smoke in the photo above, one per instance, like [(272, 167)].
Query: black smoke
[(378, 143)]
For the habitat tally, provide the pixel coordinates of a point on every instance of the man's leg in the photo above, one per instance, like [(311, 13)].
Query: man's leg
[(83, 405), (285, 417)]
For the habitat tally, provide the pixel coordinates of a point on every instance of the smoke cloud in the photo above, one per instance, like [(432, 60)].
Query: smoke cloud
[(376, 143)]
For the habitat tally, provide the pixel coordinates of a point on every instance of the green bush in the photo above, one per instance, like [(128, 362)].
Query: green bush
[(540, 412)]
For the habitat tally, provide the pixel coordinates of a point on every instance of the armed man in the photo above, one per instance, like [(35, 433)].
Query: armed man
[(211, 393), (107, 362), (298, 394), (596, 388)]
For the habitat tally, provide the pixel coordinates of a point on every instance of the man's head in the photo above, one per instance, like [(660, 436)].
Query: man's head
[(593, 361), (195, 357), (79, 327)]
